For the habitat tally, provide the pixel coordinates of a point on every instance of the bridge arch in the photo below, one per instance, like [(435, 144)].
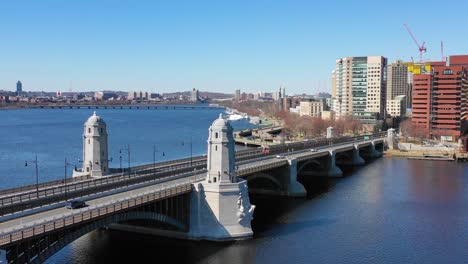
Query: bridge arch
[(315, 162), (265, 176), (64, 238)]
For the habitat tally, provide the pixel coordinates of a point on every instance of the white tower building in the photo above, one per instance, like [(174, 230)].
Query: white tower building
[(221, 157), (221, 207), (95, 155)]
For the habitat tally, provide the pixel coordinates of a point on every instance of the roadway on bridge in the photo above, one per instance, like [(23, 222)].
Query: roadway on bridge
[(49, 215), (273, 161)]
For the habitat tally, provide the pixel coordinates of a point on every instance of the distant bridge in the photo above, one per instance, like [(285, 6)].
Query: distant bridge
[(132, 106)]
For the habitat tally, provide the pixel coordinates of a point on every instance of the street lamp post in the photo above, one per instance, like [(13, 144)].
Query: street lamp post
[(37, 174), (191, 156), (154, 160), (65, 176), (128, 155)]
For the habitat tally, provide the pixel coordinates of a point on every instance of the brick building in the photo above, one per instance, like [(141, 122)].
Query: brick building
[(440, 98)]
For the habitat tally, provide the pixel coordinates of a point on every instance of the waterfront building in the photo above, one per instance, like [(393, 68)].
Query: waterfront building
[(100, 96), (359, 86), (398, 82), (439, 102), (19, 88), (311, 107), (138, 95), (397, 106), (194, 95), (237, 95)]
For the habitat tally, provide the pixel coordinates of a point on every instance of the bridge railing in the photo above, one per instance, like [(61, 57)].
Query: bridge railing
[(89, 213), (141, 169), (58, 191), (61, 193), (320, 142), (41, 185)]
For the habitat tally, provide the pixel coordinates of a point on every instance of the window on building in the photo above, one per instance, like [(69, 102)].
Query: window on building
[(216, 135), (216, 148), (89, 130), (447, 72), (89, 141)]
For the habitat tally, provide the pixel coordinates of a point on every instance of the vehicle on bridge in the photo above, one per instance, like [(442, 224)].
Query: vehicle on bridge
[(75, 204), (313, 150), (279, 156)]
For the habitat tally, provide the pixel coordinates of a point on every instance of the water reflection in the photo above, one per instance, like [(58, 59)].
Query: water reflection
[(390, 211)]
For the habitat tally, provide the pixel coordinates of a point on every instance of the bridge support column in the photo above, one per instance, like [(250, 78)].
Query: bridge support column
[(391, 139), (374, 152), (357, 159), (220, 212), (294, 187), (332, 169)]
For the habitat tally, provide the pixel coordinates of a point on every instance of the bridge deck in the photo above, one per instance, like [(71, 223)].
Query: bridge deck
[(37, 219)]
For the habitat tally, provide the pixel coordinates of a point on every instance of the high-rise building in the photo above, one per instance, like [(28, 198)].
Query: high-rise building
[(194, 95), (360, 87), (19, 88), (397, 81), (439, 102), (237, 95), (276, 96), (140, 95), (333, 84)]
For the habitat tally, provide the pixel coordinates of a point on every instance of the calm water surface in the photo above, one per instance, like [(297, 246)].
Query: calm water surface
[(390, 211)]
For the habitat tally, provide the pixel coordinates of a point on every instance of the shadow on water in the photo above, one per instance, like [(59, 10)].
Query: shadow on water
[(269, 209), (110, 246)]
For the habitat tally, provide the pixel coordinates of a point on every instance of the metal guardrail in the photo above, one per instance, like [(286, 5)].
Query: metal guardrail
[(90, 213)]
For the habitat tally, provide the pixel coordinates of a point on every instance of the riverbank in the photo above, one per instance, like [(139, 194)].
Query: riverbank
[(442, 155)]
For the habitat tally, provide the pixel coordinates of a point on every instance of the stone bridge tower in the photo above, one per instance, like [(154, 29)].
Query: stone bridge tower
[(221, 208), (95, 155)]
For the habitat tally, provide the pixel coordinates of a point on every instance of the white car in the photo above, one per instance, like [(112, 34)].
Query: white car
[(279, 156), (313, 150)]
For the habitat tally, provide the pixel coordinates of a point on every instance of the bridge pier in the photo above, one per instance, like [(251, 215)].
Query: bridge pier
[(374, 152), (332, 169), (357, 159), (220, 212), (293, 186), (391, 140)]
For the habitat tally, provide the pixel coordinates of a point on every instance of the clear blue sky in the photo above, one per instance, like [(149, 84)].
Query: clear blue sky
[(164, 46)]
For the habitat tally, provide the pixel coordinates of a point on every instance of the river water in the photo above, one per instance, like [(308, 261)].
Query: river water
[(389, 211)]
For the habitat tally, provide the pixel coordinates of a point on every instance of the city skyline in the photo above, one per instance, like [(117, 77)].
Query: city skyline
[(212, 46)]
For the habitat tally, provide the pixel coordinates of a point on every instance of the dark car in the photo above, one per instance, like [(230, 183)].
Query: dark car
[(75, 204)]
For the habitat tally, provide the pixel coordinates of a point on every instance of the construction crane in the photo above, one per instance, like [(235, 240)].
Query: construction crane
[(422, 48), (442, 50)]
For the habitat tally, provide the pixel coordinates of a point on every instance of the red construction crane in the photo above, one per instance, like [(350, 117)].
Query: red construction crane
[(421, 48)]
